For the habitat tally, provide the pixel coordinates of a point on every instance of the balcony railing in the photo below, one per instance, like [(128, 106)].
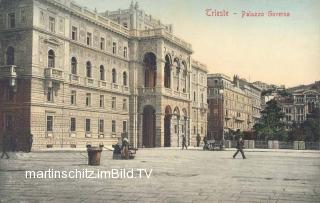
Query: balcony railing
[(54, 74), (89, 81), (74, 78), (8, 71)]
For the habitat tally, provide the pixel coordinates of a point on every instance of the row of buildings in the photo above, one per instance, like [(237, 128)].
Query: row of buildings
[(71, 77)]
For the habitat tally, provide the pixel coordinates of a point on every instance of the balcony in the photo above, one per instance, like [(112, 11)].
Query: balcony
[(174, 93), (239, 119), (102, 84), (75, 79), (8, 71), (147, 91), (53, 74), (89, 81)]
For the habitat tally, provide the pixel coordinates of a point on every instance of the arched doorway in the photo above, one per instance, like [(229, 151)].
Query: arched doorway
[(150, 69), (149, 127), (167, 72), (167, 127)]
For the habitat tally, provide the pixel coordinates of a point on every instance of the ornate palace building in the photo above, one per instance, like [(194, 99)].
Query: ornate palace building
[(73, 77)]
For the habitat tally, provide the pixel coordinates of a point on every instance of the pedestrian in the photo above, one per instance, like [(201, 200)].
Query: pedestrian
[(240, 144), (5, 145), (198, 140), (30, 141), (184, 142), (205, 140)]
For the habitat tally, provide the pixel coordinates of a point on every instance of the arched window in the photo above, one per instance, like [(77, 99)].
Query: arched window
[(102, 73), (167, 72), (114, 76), (88, 70), (51, 58), (125, 82), (10, 56), (73, 65)]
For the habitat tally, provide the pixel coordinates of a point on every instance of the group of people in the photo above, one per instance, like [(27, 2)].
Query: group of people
[(239, 146), (10, 143)]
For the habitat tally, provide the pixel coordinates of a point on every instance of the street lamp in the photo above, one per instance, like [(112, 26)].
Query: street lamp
[(222, 117)]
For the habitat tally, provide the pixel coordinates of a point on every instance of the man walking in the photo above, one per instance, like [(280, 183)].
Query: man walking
[(5, 146), (184, 142), (240, 144), (198, 140)]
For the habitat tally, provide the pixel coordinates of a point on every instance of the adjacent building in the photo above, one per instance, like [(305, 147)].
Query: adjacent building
[(232, 105), (299, 102), (73, 77)]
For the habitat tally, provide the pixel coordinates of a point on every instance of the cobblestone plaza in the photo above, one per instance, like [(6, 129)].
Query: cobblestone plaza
[(177, 176)]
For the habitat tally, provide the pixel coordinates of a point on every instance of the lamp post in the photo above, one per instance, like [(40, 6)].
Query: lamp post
[(222, 117)]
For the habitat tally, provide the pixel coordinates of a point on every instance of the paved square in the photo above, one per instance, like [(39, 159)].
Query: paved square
[(177, 176)]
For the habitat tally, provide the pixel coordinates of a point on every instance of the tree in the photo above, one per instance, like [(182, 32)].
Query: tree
[(271, 125), (311, 126)]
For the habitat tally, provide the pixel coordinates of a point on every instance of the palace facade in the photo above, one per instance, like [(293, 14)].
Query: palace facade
[(71, 77)]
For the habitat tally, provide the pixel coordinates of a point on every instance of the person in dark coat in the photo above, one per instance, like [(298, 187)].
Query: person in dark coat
[(240, 144), (5, 146), (30, 141), (198, 140), (184, 142), (205, 140)]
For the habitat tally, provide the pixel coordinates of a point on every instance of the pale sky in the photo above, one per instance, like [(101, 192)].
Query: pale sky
[(278, 50)]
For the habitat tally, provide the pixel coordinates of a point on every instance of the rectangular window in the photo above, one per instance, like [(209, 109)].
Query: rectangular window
[(194, 130), (49, 123), (102, 43), (125, 52), (101, 126), (11, 20), (73, 98), (89, 39), (41, 17), (101, 101), (114, 48), (113, 102), (52, 24), (113, 126), (23, 16), (88, 125), (124, 126), (9, 94), (50, 94), (73, 124), (8, 122), (74, 33), (88, 99), (124, 105), (61, 25)]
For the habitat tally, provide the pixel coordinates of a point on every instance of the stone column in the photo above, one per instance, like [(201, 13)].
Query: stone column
[(159, 130)]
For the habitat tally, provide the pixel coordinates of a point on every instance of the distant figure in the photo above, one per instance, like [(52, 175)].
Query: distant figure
[(125, 148), (184, 142), (5, 145), (198, 140), (240, 144), (30, 141), (205, 140)]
